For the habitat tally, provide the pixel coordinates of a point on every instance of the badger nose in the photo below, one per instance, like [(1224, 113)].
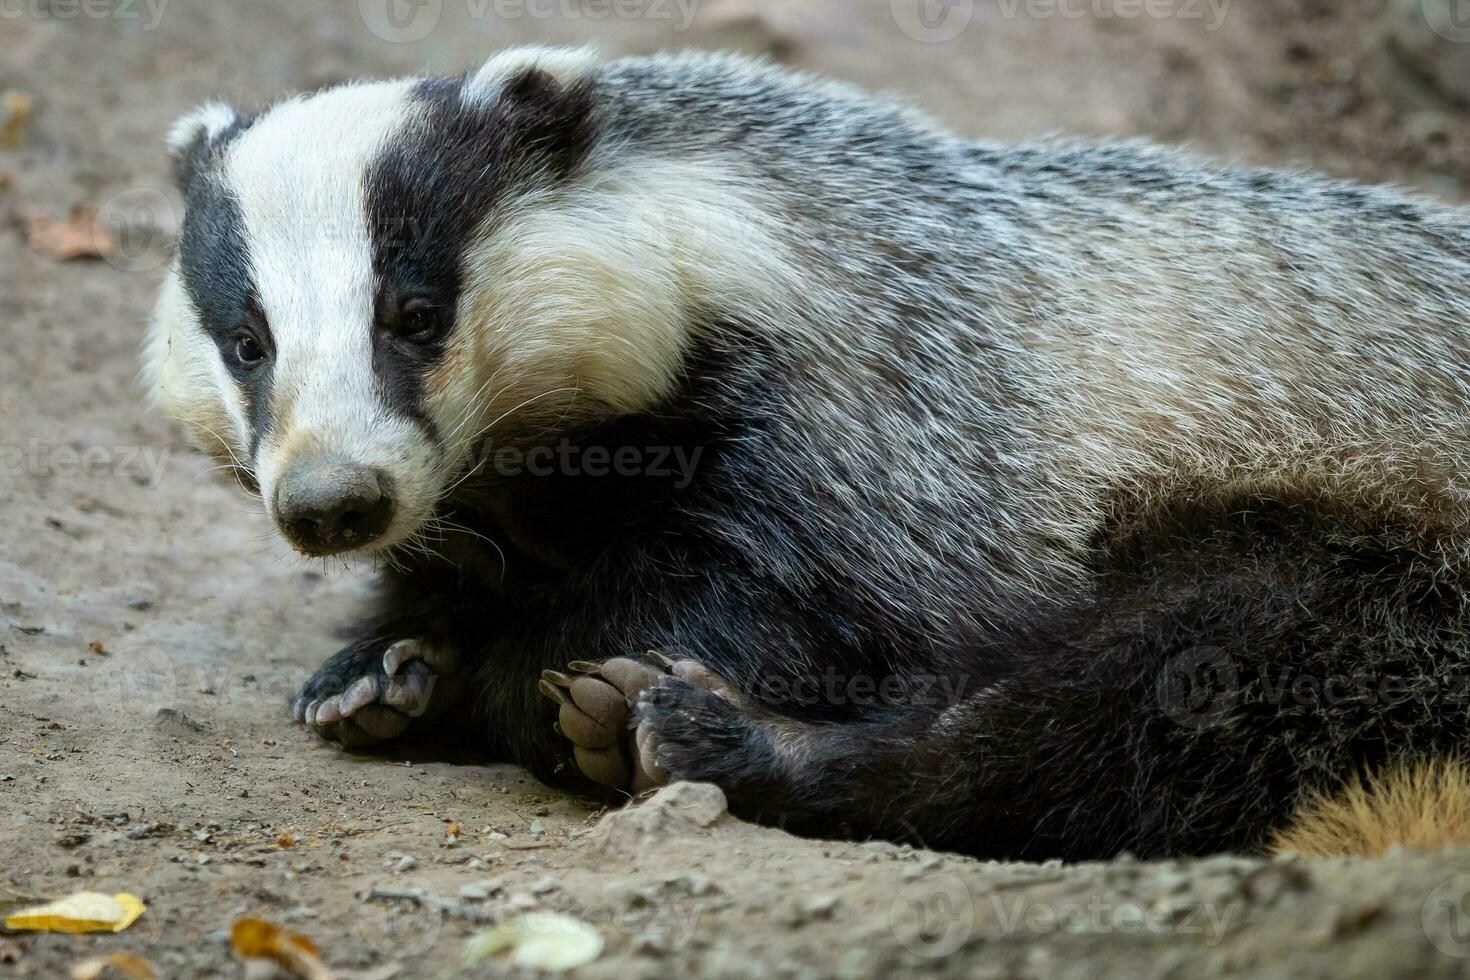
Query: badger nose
[(327, 506)]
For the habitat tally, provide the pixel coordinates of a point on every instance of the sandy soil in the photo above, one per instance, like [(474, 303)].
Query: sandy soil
[(151, 627)]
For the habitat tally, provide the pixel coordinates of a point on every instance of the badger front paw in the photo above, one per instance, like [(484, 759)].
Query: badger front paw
[(373, 692), (596, 711)]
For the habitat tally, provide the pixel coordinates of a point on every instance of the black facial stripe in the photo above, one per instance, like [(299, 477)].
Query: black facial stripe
[(215, 264), (429, 191)]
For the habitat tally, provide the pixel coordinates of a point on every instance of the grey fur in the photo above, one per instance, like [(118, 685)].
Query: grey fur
[(1113, 323)]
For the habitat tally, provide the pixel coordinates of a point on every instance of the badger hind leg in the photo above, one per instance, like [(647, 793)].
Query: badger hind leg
[(1228, 664), (596, 705), (637, 724)]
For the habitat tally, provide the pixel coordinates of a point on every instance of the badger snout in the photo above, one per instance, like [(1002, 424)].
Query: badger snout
[(325, 506)]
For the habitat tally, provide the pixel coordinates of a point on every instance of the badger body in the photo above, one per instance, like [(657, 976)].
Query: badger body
[(1021, 491)]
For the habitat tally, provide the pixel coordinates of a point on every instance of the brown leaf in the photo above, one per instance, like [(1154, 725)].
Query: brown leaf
[(77, 237), (257, 938)]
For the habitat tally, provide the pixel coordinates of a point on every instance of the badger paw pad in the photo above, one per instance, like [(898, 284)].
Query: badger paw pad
[(597, 704)]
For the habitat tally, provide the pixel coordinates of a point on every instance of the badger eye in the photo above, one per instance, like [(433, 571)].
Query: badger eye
[(419, 322), (248, 351)]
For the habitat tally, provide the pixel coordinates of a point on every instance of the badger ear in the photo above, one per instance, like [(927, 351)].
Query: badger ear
[(530, 65), (189, 138)]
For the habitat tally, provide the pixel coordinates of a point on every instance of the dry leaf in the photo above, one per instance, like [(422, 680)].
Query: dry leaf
[(96, 647), (285, 840), (78, 237), (82, 912), (257, 938), (130, 965), (538, 940)]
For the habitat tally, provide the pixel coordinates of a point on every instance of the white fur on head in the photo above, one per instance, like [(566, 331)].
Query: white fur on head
[(203, 122), (186, 379), (566, 65)]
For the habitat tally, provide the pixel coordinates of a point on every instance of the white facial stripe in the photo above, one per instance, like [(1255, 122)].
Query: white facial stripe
[(298, 175)]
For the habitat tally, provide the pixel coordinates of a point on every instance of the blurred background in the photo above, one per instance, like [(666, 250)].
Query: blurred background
[(1372, 88), (151, 626)]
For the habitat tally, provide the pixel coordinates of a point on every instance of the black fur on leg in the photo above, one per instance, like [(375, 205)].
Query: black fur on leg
[(404, 671), (1227, 662)]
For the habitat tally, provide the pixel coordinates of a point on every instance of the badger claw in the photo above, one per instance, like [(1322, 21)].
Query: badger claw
[(366, 695)]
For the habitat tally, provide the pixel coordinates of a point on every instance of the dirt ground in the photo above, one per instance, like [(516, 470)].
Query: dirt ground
[(151, 626)]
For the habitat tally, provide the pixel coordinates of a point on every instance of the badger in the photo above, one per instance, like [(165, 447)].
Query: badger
[(703, 420)]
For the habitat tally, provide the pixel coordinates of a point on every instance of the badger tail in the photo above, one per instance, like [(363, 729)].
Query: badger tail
[(1422, 805)]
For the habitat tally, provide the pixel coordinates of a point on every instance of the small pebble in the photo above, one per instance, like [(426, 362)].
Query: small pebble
[(480, 890)]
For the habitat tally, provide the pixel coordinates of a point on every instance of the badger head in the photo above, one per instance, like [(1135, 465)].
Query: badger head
[(372, 278)]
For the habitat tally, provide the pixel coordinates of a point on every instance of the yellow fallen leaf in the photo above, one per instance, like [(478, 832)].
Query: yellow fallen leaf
[(130, 965), (82, 912), (259, 939)]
